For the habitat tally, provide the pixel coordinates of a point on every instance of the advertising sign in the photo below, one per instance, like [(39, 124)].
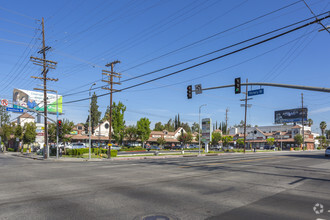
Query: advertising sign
[(34, 100), (290, 115), (206, 130)]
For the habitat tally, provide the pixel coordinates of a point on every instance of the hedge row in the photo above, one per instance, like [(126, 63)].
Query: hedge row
[(78, 152)]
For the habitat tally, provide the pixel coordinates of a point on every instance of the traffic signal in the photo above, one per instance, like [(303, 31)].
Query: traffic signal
[(59, 125), (189, 91), (238, 85)]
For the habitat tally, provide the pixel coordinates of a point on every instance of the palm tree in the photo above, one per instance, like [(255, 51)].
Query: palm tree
[(310, 122), (323, 126)]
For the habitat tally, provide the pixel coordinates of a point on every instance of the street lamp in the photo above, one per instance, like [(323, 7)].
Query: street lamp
[(199, 129), (90, 119)]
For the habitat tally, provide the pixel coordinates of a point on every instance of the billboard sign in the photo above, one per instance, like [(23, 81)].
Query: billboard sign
[(290, 115), (206, 130), (34, 100)]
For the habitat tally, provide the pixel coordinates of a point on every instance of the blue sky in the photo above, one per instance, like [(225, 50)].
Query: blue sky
[(85, 35)]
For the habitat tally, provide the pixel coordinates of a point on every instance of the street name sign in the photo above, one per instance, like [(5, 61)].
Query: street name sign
[(256, 92), (198, 89), (18, 110)]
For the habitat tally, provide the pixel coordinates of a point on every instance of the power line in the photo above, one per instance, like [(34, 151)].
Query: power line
[(213, 59), (214, 35), (224, 48), (18, 13), (168, 67)]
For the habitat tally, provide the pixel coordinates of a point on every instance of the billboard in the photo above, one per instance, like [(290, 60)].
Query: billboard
[(290, 115), (35, 100), (206, 130)]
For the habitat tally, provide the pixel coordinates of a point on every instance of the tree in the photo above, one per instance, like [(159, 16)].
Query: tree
[(67, 128), (223, 127), (5, 132), (270, 141), (216, 137), (195, 127), (95, 113), (4, 115), (161, 141), (185, 138), (176, 122), (131, 133), (18, 132), (30, 133), (159, 127), (186, 127), (240, 142), (298, 139), (118, 123), (323, 141), (143, 129), (323, 126), (179, 122), (226, 140), (310, 122), (327, 133), (169, 126)]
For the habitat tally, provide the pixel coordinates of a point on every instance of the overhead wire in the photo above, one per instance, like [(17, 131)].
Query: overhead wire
[(213, 59)]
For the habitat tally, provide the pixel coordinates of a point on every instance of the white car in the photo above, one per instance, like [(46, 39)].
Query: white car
[(327, 152)]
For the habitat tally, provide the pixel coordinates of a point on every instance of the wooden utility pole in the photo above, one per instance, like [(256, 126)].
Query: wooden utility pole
[(227, 110), (245, 105), (46, 64), (110, 75)]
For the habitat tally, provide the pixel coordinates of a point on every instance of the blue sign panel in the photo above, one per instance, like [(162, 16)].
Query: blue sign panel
[(19, 110), (255, 92)]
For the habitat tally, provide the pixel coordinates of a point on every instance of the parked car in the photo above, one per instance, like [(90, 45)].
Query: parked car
[(115, 147), (177, 147), (152, 148), (192, 146), (327, 152), (167, 147), (76, 146)]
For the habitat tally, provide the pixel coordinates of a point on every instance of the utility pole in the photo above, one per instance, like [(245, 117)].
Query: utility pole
[(110, 75), (245, 105), (302, 119), (227, 110), (46, 64)]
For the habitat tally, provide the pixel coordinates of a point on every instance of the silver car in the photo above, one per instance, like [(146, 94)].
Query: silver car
[(327, 152)]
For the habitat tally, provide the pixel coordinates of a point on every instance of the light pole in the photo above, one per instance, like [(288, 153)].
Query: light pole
[(199, 129), (90, 119)]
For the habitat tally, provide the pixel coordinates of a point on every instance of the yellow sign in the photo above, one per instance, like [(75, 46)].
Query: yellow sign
[(109, 145)]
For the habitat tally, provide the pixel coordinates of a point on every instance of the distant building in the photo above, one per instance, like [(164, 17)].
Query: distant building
[(25, 118), (257, 136)]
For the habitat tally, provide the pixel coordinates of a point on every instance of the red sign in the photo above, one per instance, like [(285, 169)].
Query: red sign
[(4, 102)]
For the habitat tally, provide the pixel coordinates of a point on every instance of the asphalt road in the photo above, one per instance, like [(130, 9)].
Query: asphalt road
[(253, 186)]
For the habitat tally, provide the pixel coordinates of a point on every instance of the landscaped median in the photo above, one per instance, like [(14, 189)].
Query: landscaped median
[(84, 153)]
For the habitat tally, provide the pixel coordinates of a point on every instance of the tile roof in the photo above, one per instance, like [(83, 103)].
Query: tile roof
[(26, 115)]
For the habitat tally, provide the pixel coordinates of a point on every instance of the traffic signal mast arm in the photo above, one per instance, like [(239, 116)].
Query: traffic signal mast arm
[(310, 88)]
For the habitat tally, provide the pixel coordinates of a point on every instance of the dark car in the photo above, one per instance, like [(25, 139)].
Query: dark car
[(152, 148), (177, 147)]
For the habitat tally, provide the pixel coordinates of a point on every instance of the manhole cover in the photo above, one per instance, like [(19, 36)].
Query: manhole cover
[(156, 217)]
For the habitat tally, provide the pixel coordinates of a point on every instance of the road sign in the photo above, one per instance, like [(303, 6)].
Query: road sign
[(4, 102), (198, 89), (109, 145), (18, 110), (256, 92)]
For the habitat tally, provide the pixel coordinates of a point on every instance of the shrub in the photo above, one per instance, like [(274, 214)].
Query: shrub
[(11, 149), (24, 150)]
